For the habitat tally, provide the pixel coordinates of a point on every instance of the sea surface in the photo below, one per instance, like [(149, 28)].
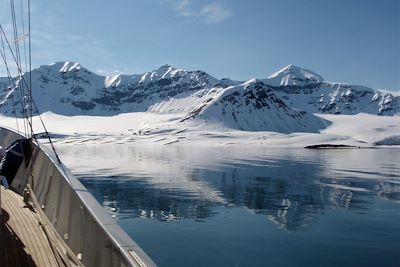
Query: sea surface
[(249, 206)]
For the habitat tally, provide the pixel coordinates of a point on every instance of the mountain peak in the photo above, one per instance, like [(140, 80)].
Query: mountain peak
[(165, 71), (70, 66), (291, 66), (61, 66), (165, 66), (294, 75)]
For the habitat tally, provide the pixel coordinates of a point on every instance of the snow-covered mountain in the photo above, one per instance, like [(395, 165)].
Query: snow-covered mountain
[(306, 90), (69, 89), (253, 106), (274, 103), (4, 83)]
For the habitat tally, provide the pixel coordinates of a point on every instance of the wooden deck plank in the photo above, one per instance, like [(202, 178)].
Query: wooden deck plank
[(22, 238), (20, 223), (32, 238)]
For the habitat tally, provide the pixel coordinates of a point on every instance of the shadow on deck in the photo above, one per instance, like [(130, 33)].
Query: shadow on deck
[(23, 242), (13, 250)]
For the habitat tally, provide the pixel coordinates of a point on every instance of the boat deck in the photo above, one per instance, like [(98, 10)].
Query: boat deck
[(23, 242)]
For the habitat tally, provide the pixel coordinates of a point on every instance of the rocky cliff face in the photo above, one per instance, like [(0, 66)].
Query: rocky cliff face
[(253, 106)]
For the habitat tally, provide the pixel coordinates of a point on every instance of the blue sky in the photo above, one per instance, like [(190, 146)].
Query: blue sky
[(355, 41)]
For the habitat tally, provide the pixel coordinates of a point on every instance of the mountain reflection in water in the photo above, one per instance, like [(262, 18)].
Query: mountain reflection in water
[(292, 187)]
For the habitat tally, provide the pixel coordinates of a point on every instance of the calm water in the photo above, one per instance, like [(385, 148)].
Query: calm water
[(190, 206)]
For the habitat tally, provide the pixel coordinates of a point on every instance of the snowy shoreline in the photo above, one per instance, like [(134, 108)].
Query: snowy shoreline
[(146, 128)]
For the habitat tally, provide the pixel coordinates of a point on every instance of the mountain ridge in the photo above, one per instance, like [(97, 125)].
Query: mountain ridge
[(67, 88)]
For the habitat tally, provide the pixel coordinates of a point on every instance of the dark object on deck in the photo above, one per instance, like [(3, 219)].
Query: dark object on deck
[(324, 146), (19, 151)]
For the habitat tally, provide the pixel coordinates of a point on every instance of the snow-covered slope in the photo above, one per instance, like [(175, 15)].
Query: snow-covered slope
[(4, 83), (253, 106), (335, 98), (304, 89), (67, 88), (63, 87)]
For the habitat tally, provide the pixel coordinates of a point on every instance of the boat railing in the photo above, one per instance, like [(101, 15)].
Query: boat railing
[(89, 232)]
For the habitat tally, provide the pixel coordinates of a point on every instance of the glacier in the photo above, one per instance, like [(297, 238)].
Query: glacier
[(289, 102)]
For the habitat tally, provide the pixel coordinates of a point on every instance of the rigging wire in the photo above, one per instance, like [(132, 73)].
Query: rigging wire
[(22, 81), (10, 79), (25, 58), (23, 37), (18, 61), (30, 62), (64, 256), (18, 54), (21, 77)]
